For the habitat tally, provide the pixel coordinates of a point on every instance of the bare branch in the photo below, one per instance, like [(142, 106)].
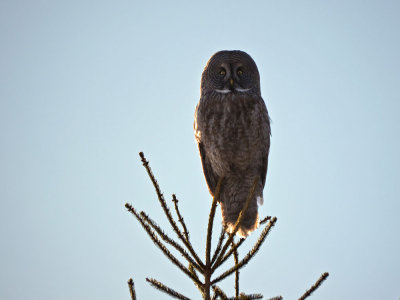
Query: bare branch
[(219, 293), (243, 296), (170, 241), (180, 218), (211, 220), (162, 287), (160, 245), (193, 271), (230, 252), (315, 286), (132, 289), (249, 255), (219, 245), (236, 259), (167, 212), (265, 220)]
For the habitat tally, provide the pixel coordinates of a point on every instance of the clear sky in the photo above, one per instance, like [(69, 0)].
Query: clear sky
[(86, 85)]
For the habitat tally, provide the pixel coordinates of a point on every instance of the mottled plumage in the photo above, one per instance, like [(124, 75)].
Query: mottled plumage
[(232, 129)]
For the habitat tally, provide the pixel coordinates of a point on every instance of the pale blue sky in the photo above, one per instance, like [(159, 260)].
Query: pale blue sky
[(86, 85)]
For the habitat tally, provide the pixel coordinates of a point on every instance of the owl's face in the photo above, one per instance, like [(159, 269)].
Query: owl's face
[(230, 72)]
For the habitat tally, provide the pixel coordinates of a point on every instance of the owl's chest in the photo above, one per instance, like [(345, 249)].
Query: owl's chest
[(229, 130), (234, 134), (230, 121)]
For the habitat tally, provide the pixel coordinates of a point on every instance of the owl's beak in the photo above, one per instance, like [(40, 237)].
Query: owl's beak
[(231, 83)]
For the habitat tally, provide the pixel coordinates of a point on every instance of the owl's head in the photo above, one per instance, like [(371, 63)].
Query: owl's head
[(230, 72)]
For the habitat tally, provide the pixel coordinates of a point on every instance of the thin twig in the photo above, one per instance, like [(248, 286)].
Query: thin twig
[(249, 255), (243, 296), (237, 224), (230, 252), (276, 298), (315, 286), (207, 270), (131, 285), (180, 218), (160, 245), (219, 245), (193, 271), (265, 220), (219, 293), (170, 241), (236, 259), (167, 212), (162, 287), (211, 220)]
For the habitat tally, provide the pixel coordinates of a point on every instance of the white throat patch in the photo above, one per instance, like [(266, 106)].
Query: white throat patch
[(223, 91), (226, 91)]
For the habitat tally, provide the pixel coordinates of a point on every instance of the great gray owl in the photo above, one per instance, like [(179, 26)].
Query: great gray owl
[(232, 129)]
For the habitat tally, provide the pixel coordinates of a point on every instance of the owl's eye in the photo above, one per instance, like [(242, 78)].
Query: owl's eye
[(222, 72), (239, 71)]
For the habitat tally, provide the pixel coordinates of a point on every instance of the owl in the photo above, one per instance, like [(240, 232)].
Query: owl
[(232, 130)]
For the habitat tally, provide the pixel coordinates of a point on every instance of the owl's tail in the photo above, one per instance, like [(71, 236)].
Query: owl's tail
[(233, 195)]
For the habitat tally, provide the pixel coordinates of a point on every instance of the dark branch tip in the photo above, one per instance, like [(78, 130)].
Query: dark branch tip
[(174, 199), (143, 159)]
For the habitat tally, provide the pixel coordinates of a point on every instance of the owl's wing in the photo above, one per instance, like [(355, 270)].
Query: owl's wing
[(211, 177), (264, 168), (264, 162)]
